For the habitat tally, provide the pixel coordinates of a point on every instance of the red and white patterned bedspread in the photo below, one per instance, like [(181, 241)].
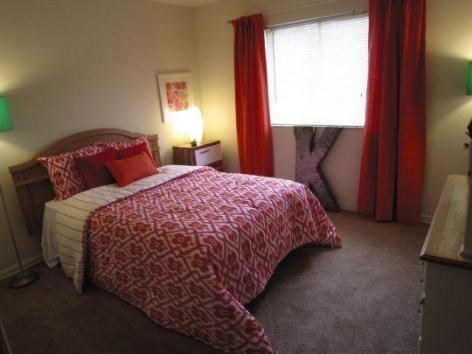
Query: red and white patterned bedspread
[(192, 251)]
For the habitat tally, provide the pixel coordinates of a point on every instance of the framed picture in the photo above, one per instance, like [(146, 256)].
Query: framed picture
[(176, 91)]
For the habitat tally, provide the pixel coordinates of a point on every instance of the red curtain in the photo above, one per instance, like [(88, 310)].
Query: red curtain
[(393, 158), (252, 104)]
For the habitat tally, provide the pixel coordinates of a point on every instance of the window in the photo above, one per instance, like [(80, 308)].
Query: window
[(317, 72)]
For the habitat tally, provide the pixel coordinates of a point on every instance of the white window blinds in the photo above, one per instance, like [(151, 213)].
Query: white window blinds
[(317, 72)]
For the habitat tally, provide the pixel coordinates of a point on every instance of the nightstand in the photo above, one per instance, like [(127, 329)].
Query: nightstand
[(208, 153)]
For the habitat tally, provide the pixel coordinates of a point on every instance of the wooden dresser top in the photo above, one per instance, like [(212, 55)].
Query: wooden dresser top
[(447, 231)]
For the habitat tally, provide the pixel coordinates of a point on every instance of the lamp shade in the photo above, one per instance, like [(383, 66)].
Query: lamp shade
[(194, 125), (469, 80), (5, 122)]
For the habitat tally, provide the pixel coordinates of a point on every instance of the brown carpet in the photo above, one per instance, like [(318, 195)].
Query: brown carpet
[(362, 298)]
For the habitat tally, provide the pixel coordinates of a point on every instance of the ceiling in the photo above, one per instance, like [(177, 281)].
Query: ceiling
[(189, 3)]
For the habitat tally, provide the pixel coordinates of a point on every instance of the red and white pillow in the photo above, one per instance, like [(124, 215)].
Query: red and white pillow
[(66, 179)]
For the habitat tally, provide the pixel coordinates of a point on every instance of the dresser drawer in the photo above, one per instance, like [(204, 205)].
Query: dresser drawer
[(208, 155)]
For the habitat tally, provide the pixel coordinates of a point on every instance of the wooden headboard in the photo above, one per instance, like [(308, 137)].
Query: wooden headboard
[(31, 179)]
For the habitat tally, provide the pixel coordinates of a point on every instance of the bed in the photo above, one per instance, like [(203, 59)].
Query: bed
[(189, 246)]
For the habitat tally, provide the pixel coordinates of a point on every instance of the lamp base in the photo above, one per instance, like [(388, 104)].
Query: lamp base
[(23, 279)]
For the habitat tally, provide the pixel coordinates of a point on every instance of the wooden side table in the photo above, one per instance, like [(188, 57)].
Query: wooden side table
[(208, 153)]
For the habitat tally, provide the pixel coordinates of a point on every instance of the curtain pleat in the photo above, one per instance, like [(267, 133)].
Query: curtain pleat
[(392, 165), (252, 103)]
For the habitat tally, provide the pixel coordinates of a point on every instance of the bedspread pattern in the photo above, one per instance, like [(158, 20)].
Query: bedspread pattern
[(64, 221), (192, 251)]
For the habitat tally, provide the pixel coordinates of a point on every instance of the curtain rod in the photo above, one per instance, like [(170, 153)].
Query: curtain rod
[(302, 6), (312, 19), (340, 14)]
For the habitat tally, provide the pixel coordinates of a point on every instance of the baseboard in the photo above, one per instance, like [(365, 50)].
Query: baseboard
[(347, 206), (426, 218), (27, 263)]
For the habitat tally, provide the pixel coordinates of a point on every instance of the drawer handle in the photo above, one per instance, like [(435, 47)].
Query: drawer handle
[(204, 151)]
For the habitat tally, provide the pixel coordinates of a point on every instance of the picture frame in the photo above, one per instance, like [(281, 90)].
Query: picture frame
[(176, 93)]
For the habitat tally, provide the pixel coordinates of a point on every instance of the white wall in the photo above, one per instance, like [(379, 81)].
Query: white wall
[(215, 59), (68, 66)]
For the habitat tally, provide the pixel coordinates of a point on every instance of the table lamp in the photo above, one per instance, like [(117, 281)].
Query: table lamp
[(194, 125), (25, 277)]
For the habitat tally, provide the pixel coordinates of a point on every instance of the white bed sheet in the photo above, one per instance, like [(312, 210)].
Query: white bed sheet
[(62, 238)]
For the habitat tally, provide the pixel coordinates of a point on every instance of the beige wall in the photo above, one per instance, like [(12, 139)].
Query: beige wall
[(215, 59), (68, 66), (449, 47)]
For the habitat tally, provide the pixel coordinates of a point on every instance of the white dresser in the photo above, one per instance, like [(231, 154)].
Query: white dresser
[(447, 305)]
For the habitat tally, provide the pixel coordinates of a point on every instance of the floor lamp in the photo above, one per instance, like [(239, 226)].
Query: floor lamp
[(25, 277), (4, 345)]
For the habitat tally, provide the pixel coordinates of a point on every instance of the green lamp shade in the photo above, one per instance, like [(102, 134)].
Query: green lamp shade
[(5, 122), (469, 80)]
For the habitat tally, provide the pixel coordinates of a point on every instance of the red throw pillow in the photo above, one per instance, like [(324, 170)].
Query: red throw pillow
[(131, 169), (134, 150), (93, 168)]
